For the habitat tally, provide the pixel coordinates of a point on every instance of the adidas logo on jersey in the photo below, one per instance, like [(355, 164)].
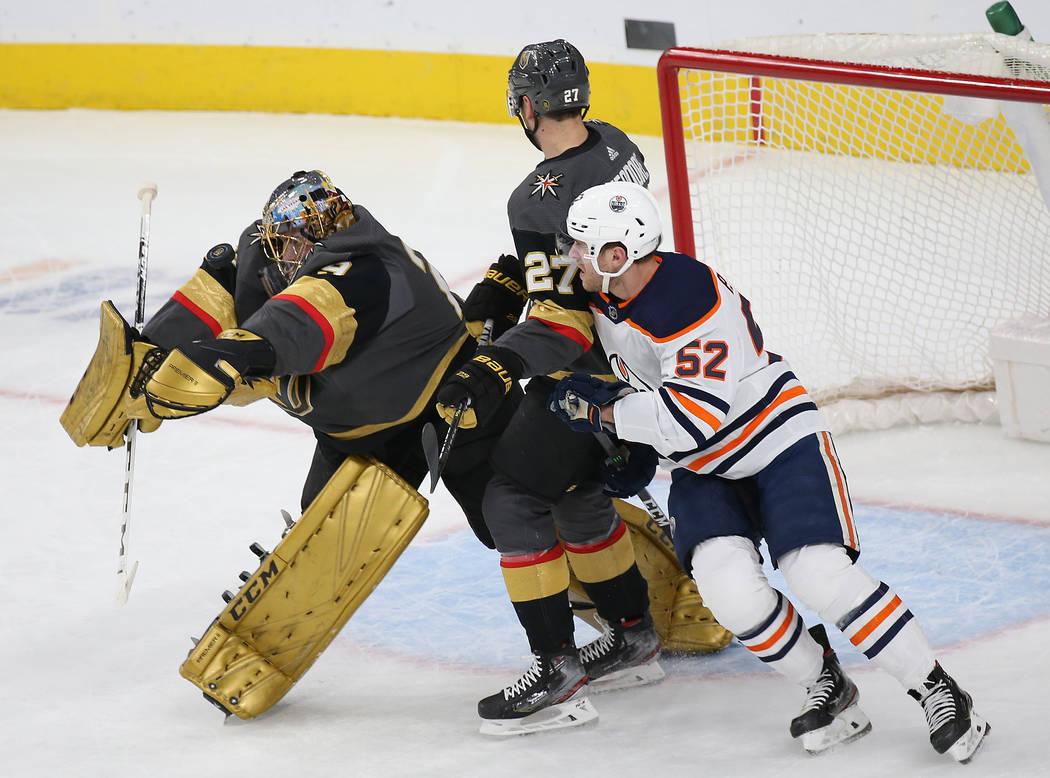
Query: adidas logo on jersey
[(613, 153)]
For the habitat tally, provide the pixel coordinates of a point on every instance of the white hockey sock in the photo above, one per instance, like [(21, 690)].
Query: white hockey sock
[(867, 611), (728, 570), (782, 642), (883, 628)]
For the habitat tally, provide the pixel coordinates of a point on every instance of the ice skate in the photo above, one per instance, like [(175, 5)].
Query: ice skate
[(955, 728), (624, 656), (830, 714), (550, 695)]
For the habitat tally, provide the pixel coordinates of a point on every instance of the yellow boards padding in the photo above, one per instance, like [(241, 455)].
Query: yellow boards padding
[(425, 85)]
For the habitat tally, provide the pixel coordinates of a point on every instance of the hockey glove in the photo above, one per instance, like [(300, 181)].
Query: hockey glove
[(499, 296), (630, 472), (480, 385), (200, 375), (578, 399)]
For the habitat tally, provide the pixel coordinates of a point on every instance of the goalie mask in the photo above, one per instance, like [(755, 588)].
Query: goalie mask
[(301, 211), (553, 76), (618, 212)]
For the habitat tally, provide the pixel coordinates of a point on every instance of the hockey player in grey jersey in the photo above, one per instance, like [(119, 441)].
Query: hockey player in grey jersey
[(545, 505), (350, 330)]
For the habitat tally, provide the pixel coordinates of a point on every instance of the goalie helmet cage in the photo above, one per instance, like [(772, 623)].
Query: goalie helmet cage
[(873, 198)]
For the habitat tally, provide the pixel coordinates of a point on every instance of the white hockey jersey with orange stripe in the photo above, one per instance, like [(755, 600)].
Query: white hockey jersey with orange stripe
[(711, 398)]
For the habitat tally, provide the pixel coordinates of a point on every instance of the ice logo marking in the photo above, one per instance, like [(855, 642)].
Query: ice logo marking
[(618, 204)]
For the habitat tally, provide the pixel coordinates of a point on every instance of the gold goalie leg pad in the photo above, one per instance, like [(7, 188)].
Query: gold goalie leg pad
[(96, 414), (683, 622), (303, 592)]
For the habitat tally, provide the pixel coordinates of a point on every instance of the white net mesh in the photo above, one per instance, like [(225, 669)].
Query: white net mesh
[(879, 233)]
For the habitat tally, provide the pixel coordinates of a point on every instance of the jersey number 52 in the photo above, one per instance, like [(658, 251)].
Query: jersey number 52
[(691, 359)]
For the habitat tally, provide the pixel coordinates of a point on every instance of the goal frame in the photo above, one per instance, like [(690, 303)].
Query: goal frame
[(817, 70)]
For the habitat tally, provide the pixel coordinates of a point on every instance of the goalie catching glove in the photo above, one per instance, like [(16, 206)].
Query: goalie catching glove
[(479, 386), (201, 375)]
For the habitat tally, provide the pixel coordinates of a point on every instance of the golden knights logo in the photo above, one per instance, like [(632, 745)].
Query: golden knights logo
[(546, 184)]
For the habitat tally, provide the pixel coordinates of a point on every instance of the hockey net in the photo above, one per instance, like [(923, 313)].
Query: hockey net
[(882, 200)]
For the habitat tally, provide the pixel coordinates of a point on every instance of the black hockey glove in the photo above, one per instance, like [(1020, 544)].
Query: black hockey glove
[(481, 383), (578, 399), (499, 296), (631, 472)]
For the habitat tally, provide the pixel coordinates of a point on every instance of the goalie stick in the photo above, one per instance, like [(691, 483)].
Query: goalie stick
[(437, 457), (126, 577)]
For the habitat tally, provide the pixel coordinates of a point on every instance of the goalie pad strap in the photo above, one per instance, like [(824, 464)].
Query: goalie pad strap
[(303, 593)]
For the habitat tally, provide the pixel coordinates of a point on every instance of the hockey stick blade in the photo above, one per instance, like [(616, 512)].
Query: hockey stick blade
[(432, 452), (125, 579)]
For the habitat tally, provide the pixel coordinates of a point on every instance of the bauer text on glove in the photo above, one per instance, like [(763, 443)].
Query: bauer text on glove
[(479, 386), (499, 296), (199, 376)]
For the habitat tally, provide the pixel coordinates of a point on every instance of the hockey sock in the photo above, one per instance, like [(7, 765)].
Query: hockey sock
[(729, 571), (782, 642), (883, 628), (866, 610)]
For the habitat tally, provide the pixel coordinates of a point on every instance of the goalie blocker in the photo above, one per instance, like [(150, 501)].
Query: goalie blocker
[(303, 592)]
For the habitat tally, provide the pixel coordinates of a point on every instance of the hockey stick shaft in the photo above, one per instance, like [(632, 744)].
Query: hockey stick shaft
[(436, 458), (126, 577)]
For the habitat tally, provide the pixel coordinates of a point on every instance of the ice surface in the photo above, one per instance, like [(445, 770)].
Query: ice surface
[(953, 516)]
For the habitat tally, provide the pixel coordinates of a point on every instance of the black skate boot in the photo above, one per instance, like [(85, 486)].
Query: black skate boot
[(830, 715), (550, 695), (954, 726), (624, 656)]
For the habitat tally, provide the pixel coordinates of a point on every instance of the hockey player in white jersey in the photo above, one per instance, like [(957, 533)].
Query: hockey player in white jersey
[(750, 458)]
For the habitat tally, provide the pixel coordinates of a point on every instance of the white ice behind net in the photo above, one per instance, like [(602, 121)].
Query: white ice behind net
[(877, 252)]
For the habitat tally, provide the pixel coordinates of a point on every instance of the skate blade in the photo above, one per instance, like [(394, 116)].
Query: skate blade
[(639, 675), (963, 749), (848, 726), (573, 713)]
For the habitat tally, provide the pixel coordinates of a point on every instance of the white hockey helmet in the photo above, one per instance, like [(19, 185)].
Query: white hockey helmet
[(618, 212)]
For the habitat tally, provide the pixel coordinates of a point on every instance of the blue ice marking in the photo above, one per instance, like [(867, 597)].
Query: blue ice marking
[(444, 600)]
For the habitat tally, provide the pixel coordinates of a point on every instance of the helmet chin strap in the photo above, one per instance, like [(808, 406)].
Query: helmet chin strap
[(530, 134), (606, 276)]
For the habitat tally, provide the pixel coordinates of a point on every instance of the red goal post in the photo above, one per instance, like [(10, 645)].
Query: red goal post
[(879, 209)]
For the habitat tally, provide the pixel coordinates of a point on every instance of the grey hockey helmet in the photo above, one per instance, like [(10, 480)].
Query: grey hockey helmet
[(552, 75), (301, 211)]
